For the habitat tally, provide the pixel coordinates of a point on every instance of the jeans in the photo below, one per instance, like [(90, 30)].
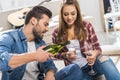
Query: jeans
[(106, 67), (70, 72)]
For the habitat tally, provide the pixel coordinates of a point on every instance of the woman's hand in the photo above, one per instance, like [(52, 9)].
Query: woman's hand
[(91, 56), (69, 55)]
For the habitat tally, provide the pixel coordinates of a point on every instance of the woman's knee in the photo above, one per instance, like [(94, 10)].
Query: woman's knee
[(76, 69)]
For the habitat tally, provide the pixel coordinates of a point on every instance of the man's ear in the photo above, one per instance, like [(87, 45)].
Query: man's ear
[(33, 21)]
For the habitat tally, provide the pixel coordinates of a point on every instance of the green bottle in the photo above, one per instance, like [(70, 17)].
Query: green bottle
[(55, 48)]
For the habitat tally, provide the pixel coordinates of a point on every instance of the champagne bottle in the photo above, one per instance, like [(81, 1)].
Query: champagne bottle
[(55, 48)]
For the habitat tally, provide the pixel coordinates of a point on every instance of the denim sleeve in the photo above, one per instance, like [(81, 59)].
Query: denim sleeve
[(50, 65), (5, 48), (4, 59)]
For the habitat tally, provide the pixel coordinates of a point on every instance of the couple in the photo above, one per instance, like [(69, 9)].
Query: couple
[(21, 61)]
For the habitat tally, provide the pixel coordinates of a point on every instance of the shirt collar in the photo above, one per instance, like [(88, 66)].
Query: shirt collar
[(21, 34)]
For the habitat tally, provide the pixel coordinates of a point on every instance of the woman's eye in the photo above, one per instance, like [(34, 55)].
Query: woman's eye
[(73, 13), (66, 14)]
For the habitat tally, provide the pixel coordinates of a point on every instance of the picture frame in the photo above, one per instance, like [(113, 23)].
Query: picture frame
[(110, 13)]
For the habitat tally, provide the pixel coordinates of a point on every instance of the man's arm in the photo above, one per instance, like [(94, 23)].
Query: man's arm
[(20, 59)]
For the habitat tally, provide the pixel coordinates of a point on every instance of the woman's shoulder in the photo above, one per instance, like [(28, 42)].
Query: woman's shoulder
[(55, 31), (87, 24)]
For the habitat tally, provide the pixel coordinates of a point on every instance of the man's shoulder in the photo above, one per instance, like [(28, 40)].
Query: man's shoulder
[(6, 38), (7, 31), (8, 34)]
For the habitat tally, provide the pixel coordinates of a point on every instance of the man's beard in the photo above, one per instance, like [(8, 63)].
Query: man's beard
[(36, 35)]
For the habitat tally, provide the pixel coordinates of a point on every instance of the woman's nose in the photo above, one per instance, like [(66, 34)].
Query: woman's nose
[(69, 17)]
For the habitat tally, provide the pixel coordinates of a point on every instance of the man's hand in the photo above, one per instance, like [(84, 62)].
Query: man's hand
[(20, 59), (42, 55), (50, 75)]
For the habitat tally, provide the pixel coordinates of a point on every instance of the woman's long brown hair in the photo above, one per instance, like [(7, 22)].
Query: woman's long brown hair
[(79, 30)]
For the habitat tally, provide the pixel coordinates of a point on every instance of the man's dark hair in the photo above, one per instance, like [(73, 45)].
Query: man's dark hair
[(37, 12)]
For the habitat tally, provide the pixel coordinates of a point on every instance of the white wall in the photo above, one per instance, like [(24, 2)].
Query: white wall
[(15, 4), (93, 8), (88, 7), (54, 6)]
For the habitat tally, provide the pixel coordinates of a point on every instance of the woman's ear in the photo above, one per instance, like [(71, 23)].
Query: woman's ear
[(33, 21)]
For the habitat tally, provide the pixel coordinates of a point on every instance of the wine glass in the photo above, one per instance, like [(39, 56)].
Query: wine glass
[(88, 48), (71, 53)]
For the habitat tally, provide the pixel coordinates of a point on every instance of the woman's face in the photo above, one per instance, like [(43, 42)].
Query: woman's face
[(69, 14)]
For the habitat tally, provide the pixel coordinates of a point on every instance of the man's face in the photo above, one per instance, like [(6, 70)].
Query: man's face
[(41, 27)]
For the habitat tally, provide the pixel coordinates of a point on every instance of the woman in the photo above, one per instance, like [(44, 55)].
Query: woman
[(84, 40)]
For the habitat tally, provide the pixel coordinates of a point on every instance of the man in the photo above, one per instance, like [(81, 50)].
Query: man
[(19, 59)]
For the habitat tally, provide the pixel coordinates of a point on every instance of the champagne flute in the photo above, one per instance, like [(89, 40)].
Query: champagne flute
[(88, 48)]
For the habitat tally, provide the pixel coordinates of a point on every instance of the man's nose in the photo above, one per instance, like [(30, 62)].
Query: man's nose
[(47, 28)]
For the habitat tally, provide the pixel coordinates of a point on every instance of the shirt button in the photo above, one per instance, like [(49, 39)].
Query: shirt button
[(3, 58)]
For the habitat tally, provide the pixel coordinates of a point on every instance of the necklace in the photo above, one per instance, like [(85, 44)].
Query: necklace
[(71, 34)]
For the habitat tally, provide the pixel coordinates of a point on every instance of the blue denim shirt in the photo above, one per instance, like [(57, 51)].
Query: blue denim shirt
[(14, 42)]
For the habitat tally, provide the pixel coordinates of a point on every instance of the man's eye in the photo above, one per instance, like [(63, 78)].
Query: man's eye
[(46, 24)]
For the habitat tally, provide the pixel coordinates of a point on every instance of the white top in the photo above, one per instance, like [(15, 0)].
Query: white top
[(81, 61), (32, 71)]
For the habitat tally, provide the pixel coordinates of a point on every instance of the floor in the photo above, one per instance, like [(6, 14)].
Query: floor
[(110, 39)]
